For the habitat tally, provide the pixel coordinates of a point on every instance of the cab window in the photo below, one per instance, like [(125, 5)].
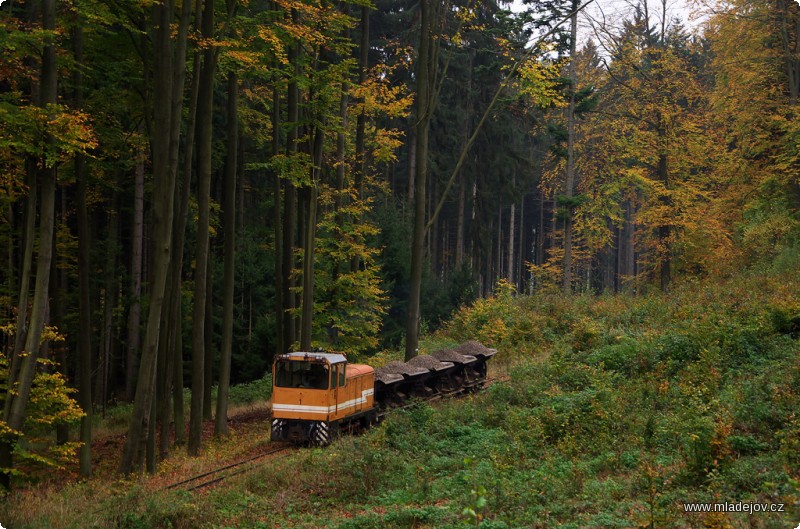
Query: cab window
[(342, 374), (300, 374)]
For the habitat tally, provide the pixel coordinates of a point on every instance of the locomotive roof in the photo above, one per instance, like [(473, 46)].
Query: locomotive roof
[(330, 358)]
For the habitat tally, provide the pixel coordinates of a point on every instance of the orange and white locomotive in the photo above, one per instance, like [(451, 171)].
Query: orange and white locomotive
[(315, 395)]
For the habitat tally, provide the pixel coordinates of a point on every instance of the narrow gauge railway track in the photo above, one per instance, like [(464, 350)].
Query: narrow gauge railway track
[(246, 465), (240, 467)]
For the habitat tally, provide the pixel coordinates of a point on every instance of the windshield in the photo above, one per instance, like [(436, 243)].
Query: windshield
[(300, 374)]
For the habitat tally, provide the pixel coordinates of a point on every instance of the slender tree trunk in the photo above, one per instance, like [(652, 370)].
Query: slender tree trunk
[(425, 84), (133, 342), (177, 384), (150, 448), (510, 258), (280, 338), (167, 361), (163, 212), (310, 237), (208, 336), (18, 409), (540, 232), (629, 280), (29, 237), (498, 272), (17, 414), (176, 266), (84, 307), (204, 138), (664, 231), (361, 121), (290, 208), (109, 303), (164, 386), (10, 276), (412, 167), (521, 246), (570, 180), (460, 223), (229, 223)]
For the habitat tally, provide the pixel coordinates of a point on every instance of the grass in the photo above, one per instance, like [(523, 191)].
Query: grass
[(618, 409)]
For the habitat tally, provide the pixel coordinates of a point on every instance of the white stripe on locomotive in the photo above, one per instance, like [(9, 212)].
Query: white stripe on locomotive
[(302, 408)]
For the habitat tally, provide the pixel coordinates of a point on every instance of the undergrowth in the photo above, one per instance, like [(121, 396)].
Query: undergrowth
[(618, 410)]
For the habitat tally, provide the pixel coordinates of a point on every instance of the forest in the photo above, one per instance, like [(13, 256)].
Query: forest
[(191, 188)]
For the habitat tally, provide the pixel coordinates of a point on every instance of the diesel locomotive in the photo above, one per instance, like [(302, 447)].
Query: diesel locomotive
[(316, 395)]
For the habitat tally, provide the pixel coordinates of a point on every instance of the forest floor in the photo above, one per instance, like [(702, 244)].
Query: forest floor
[(248, 436), (618, 411)]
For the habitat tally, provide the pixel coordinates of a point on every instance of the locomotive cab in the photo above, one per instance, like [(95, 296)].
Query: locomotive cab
[(315, 395)]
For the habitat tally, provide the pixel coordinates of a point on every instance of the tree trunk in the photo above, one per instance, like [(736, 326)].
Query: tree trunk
[(425, 84), (290, 209), (460, 223), (361, 122), (664, 231), (280, 338), (164, 385), (133, 342), (204, 138), (109, 304), (16, 416), (208, 336), (163, 204), (412, 167), (569, 185), (179, 235), (308, 253), (510, 258), (629, 273), (498, 272), (168, 361), (29, 237), (229, 222), (540, 232), (521, 246), (84, 307)]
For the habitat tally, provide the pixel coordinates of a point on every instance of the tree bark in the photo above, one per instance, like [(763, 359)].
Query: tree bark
[(229, 223), (27, 364), (179, 235), (163, 212), (361, 121), (306, 326), (280, 338), (134, 341), (664, 231), (109, 304), (290, 208), (629, 260), (84, 307), (208, 336), (569, 184), (204, 138), (426, 68), (510, 258), (460, 223), (29, 236)]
